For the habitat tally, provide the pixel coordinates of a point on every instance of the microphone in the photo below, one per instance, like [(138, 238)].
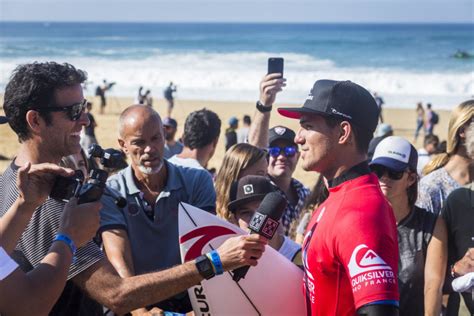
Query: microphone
[(264, 222)]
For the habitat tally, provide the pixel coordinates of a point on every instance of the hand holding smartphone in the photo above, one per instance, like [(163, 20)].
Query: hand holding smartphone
[(275, 65)]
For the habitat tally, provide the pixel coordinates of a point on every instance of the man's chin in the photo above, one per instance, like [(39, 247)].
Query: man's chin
[(150, 170)]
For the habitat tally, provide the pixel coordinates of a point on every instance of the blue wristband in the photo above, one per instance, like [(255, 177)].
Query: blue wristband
[(68, 241), (216, 262)]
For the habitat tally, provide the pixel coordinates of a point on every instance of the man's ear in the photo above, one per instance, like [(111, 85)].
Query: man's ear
[(34, 121), (122, 145), (345, 133)]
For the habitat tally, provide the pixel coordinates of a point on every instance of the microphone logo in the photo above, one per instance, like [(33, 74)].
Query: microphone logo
[(264, 225)]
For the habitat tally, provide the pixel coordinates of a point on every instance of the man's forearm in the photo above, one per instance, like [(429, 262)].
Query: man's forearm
[(42, 286), (258, 131), (104, 285), (143, 290)]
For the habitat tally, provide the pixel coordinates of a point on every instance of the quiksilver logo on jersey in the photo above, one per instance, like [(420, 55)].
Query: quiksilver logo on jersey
[(367, 268), (364, 259)]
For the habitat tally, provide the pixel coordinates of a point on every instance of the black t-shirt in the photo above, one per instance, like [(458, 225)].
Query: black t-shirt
[(458, 212), (414, 235), (230, 138)]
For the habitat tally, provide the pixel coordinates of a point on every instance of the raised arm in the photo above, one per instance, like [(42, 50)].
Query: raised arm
[(269, 86)]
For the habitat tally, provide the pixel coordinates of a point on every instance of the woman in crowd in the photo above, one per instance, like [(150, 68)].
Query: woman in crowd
[(449, 170), (240, 160), (420, 119), (422, 236)]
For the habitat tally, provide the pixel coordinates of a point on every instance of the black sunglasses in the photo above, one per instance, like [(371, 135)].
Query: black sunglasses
[(288, 151), (381, 170), (73, 111)]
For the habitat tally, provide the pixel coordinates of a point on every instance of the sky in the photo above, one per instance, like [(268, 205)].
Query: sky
[(315, 11)]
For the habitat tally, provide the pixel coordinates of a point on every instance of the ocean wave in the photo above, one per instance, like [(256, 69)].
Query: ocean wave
[(236, 76)]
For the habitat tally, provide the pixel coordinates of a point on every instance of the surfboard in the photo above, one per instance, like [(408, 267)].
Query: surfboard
[(273, 287)]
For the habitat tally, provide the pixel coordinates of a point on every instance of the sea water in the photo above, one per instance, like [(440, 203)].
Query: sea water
[(404, 63)]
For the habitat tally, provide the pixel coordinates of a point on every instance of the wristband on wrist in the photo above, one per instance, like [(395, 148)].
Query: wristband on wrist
[(68, 241), (216, 261), (453, 273), (262, 108)]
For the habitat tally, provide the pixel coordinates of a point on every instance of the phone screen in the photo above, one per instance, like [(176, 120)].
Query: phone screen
[(275, 65)]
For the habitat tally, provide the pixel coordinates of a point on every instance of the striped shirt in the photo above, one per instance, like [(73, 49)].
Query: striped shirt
[(38, 236)]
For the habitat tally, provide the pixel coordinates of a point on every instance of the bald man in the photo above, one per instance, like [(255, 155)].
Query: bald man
[(143, 236)]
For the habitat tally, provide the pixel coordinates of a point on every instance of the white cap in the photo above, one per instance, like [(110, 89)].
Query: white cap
[(396, 153)]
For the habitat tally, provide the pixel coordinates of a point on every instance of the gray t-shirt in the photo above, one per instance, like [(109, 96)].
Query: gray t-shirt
[(170, 151), (414, 235)]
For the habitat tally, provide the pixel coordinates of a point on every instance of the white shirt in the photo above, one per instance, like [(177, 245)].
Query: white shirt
[(7, 265), (423, 159), (289, 248), (185, 162)]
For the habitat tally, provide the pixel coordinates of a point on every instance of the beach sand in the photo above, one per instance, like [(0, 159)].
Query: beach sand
[(402, 120)]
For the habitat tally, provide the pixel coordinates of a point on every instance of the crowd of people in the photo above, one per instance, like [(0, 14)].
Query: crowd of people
[(373, 236)]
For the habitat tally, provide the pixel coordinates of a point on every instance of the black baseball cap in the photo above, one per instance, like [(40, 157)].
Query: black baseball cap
[(168, 121), (3, 119), (342, 99), (248, 189), (281, 132)]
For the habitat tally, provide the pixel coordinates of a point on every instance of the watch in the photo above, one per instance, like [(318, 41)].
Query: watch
[(204, 266), (262, 108)]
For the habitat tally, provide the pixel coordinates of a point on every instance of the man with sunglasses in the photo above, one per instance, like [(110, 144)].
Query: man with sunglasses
[(283, 156), (44, 104), (350, 251), (282, 149)]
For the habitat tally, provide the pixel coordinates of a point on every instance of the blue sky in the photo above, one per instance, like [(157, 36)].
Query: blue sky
[(239, 11)]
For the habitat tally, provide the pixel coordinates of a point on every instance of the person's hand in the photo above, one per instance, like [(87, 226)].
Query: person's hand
[(466, 264), (36, 181), (241, 251), (80, 222), (270, 85)]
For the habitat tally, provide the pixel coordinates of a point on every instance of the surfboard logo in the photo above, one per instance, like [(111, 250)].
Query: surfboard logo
[(364, 259), (206, 234)]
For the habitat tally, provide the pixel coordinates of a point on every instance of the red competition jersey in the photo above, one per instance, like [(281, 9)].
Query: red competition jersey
[(350, 250)]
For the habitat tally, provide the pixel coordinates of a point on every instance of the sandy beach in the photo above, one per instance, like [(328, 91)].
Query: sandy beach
[(402, 120)]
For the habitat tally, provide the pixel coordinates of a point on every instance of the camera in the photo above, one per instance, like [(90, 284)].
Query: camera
[(92, 190)]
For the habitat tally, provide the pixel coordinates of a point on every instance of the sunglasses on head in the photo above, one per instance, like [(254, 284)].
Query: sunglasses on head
[(381, 170), (288, 151), (73, 111)]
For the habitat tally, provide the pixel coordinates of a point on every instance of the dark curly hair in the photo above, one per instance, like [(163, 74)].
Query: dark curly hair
[(201, 129), (33, 86)]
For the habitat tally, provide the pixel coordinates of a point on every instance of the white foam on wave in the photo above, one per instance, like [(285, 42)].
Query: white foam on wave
[(236, 76)]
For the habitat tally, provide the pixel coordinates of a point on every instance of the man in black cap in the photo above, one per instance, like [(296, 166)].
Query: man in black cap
[(350, 251), (283, 151), (283, 156), (245, 198)]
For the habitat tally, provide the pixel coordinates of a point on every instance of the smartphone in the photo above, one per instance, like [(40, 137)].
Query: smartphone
[(275, 65)]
